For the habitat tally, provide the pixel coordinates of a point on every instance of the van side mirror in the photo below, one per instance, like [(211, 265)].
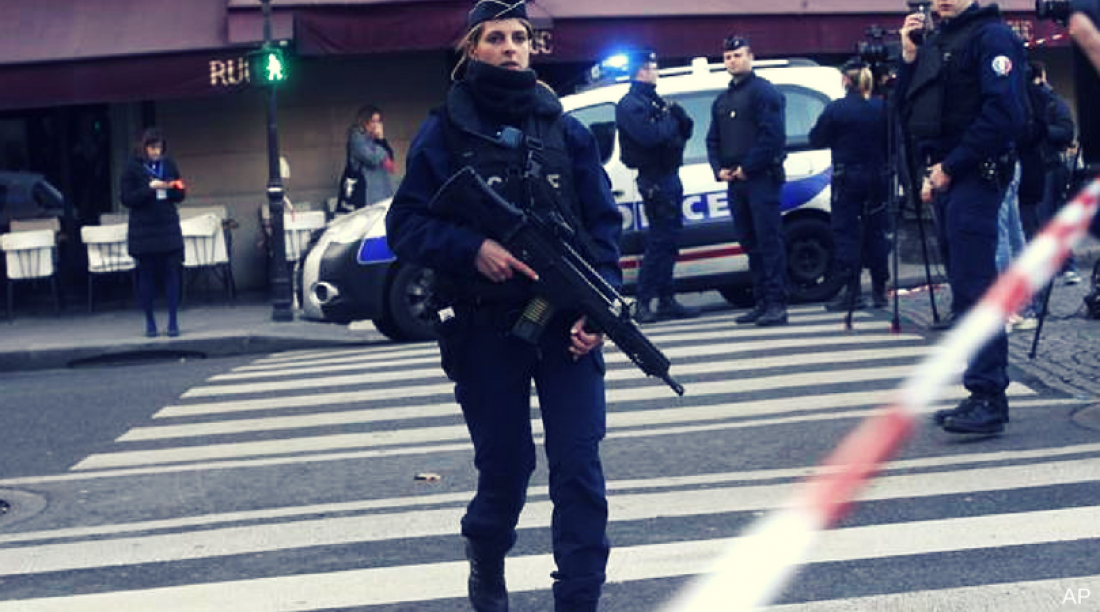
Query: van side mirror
[(604, 133)]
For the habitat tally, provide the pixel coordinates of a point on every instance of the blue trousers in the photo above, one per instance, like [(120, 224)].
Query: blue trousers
[(663, 199), (754, 205), (163, 269), (493, 372), (859, 227), (968, 218)]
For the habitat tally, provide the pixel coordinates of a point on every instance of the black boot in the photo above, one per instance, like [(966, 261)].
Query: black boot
[(486, 587), (979, 414), (642, 313), (776, 314), (843, 301), (669, 308), (940, 416), (752, 315)]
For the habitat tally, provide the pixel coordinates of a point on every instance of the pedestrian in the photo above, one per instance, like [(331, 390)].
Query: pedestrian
[(1044, 156), (652, 134), (964, 117), (151, 188), (368, 166), (854, 129), (1010, 244), (499, 119), (746, 146)]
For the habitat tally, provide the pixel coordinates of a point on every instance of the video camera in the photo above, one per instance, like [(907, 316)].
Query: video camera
[(879, 54), (1060, 10), (876, 50)]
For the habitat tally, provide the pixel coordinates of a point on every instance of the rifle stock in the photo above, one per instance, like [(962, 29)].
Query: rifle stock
[(565, 275)]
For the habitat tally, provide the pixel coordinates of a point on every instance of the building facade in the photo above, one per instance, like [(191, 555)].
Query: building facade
[(79, 80)]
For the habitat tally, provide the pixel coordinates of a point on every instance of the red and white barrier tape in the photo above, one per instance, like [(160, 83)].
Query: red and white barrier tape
[(757, 564)]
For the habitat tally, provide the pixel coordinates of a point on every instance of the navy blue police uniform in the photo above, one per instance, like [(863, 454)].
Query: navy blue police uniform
[(963, 108), (652, 135), (854, 129), (748, 130), (552, 162)]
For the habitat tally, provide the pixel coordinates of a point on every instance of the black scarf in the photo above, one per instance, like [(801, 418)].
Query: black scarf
[(508, 95)]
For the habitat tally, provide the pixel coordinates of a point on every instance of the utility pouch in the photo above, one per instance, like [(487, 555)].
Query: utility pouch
[(657, 203)]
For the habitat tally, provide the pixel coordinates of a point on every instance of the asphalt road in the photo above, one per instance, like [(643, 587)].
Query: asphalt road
[(288, 482)]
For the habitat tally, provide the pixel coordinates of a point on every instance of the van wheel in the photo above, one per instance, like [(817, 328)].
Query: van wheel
[(408, 315), (810, 251)]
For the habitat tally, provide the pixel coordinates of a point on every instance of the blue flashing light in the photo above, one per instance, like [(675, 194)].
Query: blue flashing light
[(618, 61)]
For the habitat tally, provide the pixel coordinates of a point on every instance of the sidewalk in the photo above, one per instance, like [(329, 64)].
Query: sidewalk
[(209, 329), (1068, 354)]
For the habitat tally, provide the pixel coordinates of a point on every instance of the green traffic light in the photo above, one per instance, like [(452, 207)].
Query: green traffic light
[(274, 67), (268, 66)]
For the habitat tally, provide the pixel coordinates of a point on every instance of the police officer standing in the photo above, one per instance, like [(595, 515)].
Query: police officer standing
[(746, 146), (511, 129), (652, 134), (854, 128), (963, 109)]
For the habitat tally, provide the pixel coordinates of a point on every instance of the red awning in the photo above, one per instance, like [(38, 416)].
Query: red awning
[(571, 38), (122, 79), (59, 52)]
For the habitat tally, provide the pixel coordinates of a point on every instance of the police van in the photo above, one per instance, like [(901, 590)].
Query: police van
[(710, 257), (350, 273)]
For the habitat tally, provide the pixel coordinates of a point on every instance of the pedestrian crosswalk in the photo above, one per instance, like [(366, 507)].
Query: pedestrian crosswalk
[(326, 444)]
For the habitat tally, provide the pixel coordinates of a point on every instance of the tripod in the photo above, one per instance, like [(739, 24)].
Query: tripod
[(899, 174)]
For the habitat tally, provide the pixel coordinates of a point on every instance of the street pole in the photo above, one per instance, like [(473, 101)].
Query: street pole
[(280, 278)]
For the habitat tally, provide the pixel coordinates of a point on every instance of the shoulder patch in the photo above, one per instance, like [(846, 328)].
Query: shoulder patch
[(1002, 66)]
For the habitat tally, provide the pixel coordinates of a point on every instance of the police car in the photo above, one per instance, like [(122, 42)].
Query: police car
[(710, 257), (350, 272)]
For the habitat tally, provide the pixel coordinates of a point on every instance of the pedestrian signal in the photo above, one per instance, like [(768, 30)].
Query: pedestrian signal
[(268, 66)]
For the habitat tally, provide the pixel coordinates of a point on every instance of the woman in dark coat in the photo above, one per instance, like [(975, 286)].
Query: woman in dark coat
[(151, 188)]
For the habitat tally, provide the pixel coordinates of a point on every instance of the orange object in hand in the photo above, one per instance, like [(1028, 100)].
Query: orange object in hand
[(177, 184)]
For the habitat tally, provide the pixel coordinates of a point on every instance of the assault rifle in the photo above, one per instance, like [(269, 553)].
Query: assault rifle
[(543, 242)]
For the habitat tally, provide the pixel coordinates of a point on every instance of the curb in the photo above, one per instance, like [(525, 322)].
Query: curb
[(132, 352)]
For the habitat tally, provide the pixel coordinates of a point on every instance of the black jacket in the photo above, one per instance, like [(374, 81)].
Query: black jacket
[(651, 134), (154, 224), (748, 127), (980, 90)]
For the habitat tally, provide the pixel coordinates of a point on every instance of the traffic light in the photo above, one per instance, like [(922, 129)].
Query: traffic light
[(268, 66)]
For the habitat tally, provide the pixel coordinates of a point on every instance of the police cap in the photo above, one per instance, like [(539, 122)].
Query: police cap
[(492, 10), (635, 60), (735, 42)]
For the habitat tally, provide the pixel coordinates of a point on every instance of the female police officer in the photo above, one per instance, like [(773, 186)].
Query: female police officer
[(854, 128), (510, 128)]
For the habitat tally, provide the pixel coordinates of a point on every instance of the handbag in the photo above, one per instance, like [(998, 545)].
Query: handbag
[(351, 190)]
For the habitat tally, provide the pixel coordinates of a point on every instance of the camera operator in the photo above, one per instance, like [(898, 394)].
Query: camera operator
[(653, 134), (854, 129), (961, 95)]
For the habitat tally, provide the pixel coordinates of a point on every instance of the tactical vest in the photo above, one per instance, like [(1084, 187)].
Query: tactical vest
[(661, 160), (531, 168), (737, 120), (940, 71)]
